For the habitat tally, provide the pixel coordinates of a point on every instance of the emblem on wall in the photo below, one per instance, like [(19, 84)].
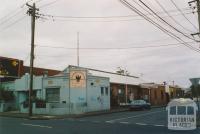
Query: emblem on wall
[(78, 79)]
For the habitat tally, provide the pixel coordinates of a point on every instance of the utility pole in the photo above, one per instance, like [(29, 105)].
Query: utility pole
[(32, 12), (198, 12)]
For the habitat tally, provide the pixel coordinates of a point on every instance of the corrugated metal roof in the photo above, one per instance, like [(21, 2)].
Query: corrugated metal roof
[(114, 78)]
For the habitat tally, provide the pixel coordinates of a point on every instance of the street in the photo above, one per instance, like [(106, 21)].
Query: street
[(153, 121)]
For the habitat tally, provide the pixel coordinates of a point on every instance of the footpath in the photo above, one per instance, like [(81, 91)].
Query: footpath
[(17, 114)]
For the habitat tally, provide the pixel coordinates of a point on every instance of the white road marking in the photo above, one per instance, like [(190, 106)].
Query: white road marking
[(134, 116), (109, 122), (143, 124), (159, 125), (96, 121), (82, 120), (33, 125), (124, 122)]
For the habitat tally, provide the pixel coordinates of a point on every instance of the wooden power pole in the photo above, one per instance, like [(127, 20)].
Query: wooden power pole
[(198, 13), (198, 33), (31, 12)]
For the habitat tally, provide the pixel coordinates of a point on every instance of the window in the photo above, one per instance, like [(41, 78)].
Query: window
[(119, 91), (53, 95), (181, 110), (106, 90), (162, 95), (190, 110), (173, 110), (155, 94), (102, 90)]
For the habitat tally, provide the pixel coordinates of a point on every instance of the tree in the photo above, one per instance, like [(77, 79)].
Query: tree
[(122, 71), (6, 95), (195, 89)]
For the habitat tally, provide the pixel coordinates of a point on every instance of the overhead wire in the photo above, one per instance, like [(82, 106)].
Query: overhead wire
[(104, 20), (183, 14), (105, 17), (172, 18), (98, 18), (111, 48), (167, 22), (48, 4), (15, 11), (13, 23), (13, 14), (10, 16), (127, 4)]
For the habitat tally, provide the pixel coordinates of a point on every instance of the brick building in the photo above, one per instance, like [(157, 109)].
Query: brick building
[(176, 92), (157, 93), (119, 95), (11, 69)]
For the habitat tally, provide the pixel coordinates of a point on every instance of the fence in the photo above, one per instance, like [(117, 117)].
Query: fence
[(7, 106), (57, 108)]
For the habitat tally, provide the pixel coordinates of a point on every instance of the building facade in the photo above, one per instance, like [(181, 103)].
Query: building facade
[(73, 91), (157, 93)]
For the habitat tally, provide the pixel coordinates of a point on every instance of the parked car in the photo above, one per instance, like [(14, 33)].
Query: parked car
[(139, 105)]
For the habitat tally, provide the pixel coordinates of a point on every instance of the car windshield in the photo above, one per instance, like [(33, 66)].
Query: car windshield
[(138, 102)]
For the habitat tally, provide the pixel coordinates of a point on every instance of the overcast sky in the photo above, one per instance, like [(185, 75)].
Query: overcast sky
[(107, 24)]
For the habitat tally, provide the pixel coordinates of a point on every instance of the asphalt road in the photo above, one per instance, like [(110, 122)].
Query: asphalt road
[(136, 122)]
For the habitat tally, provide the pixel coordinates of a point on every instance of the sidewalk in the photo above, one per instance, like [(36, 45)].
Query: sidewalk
[(16, 114)]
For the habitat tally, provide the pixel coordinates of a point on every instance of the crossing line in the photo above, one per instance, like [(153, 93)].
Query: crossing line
[(134, 116), (159, 125), (143, 124), (34, 125), (124, 122)]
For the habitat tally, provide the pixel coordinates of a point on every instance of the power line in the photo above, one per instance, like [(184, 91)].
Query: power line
[(127, 4), (183, 14), (106, 17), (171, 16), (8, 18), (166, 21), (15, 22), (15, 12), (99, 19), (48, 4), (171, 34), (110, 48)]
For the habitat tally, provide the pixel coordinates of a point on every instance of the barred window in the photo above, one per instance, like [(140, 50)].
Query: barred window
[(102, 90), (52, 94)]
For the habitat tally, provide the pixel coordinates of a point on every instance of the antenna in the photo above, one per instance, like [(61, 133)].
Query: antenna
[(78, 49)]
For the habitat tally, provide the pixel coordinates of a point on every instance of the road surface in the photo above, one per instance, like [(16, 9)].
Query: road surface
[(137, 122)]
